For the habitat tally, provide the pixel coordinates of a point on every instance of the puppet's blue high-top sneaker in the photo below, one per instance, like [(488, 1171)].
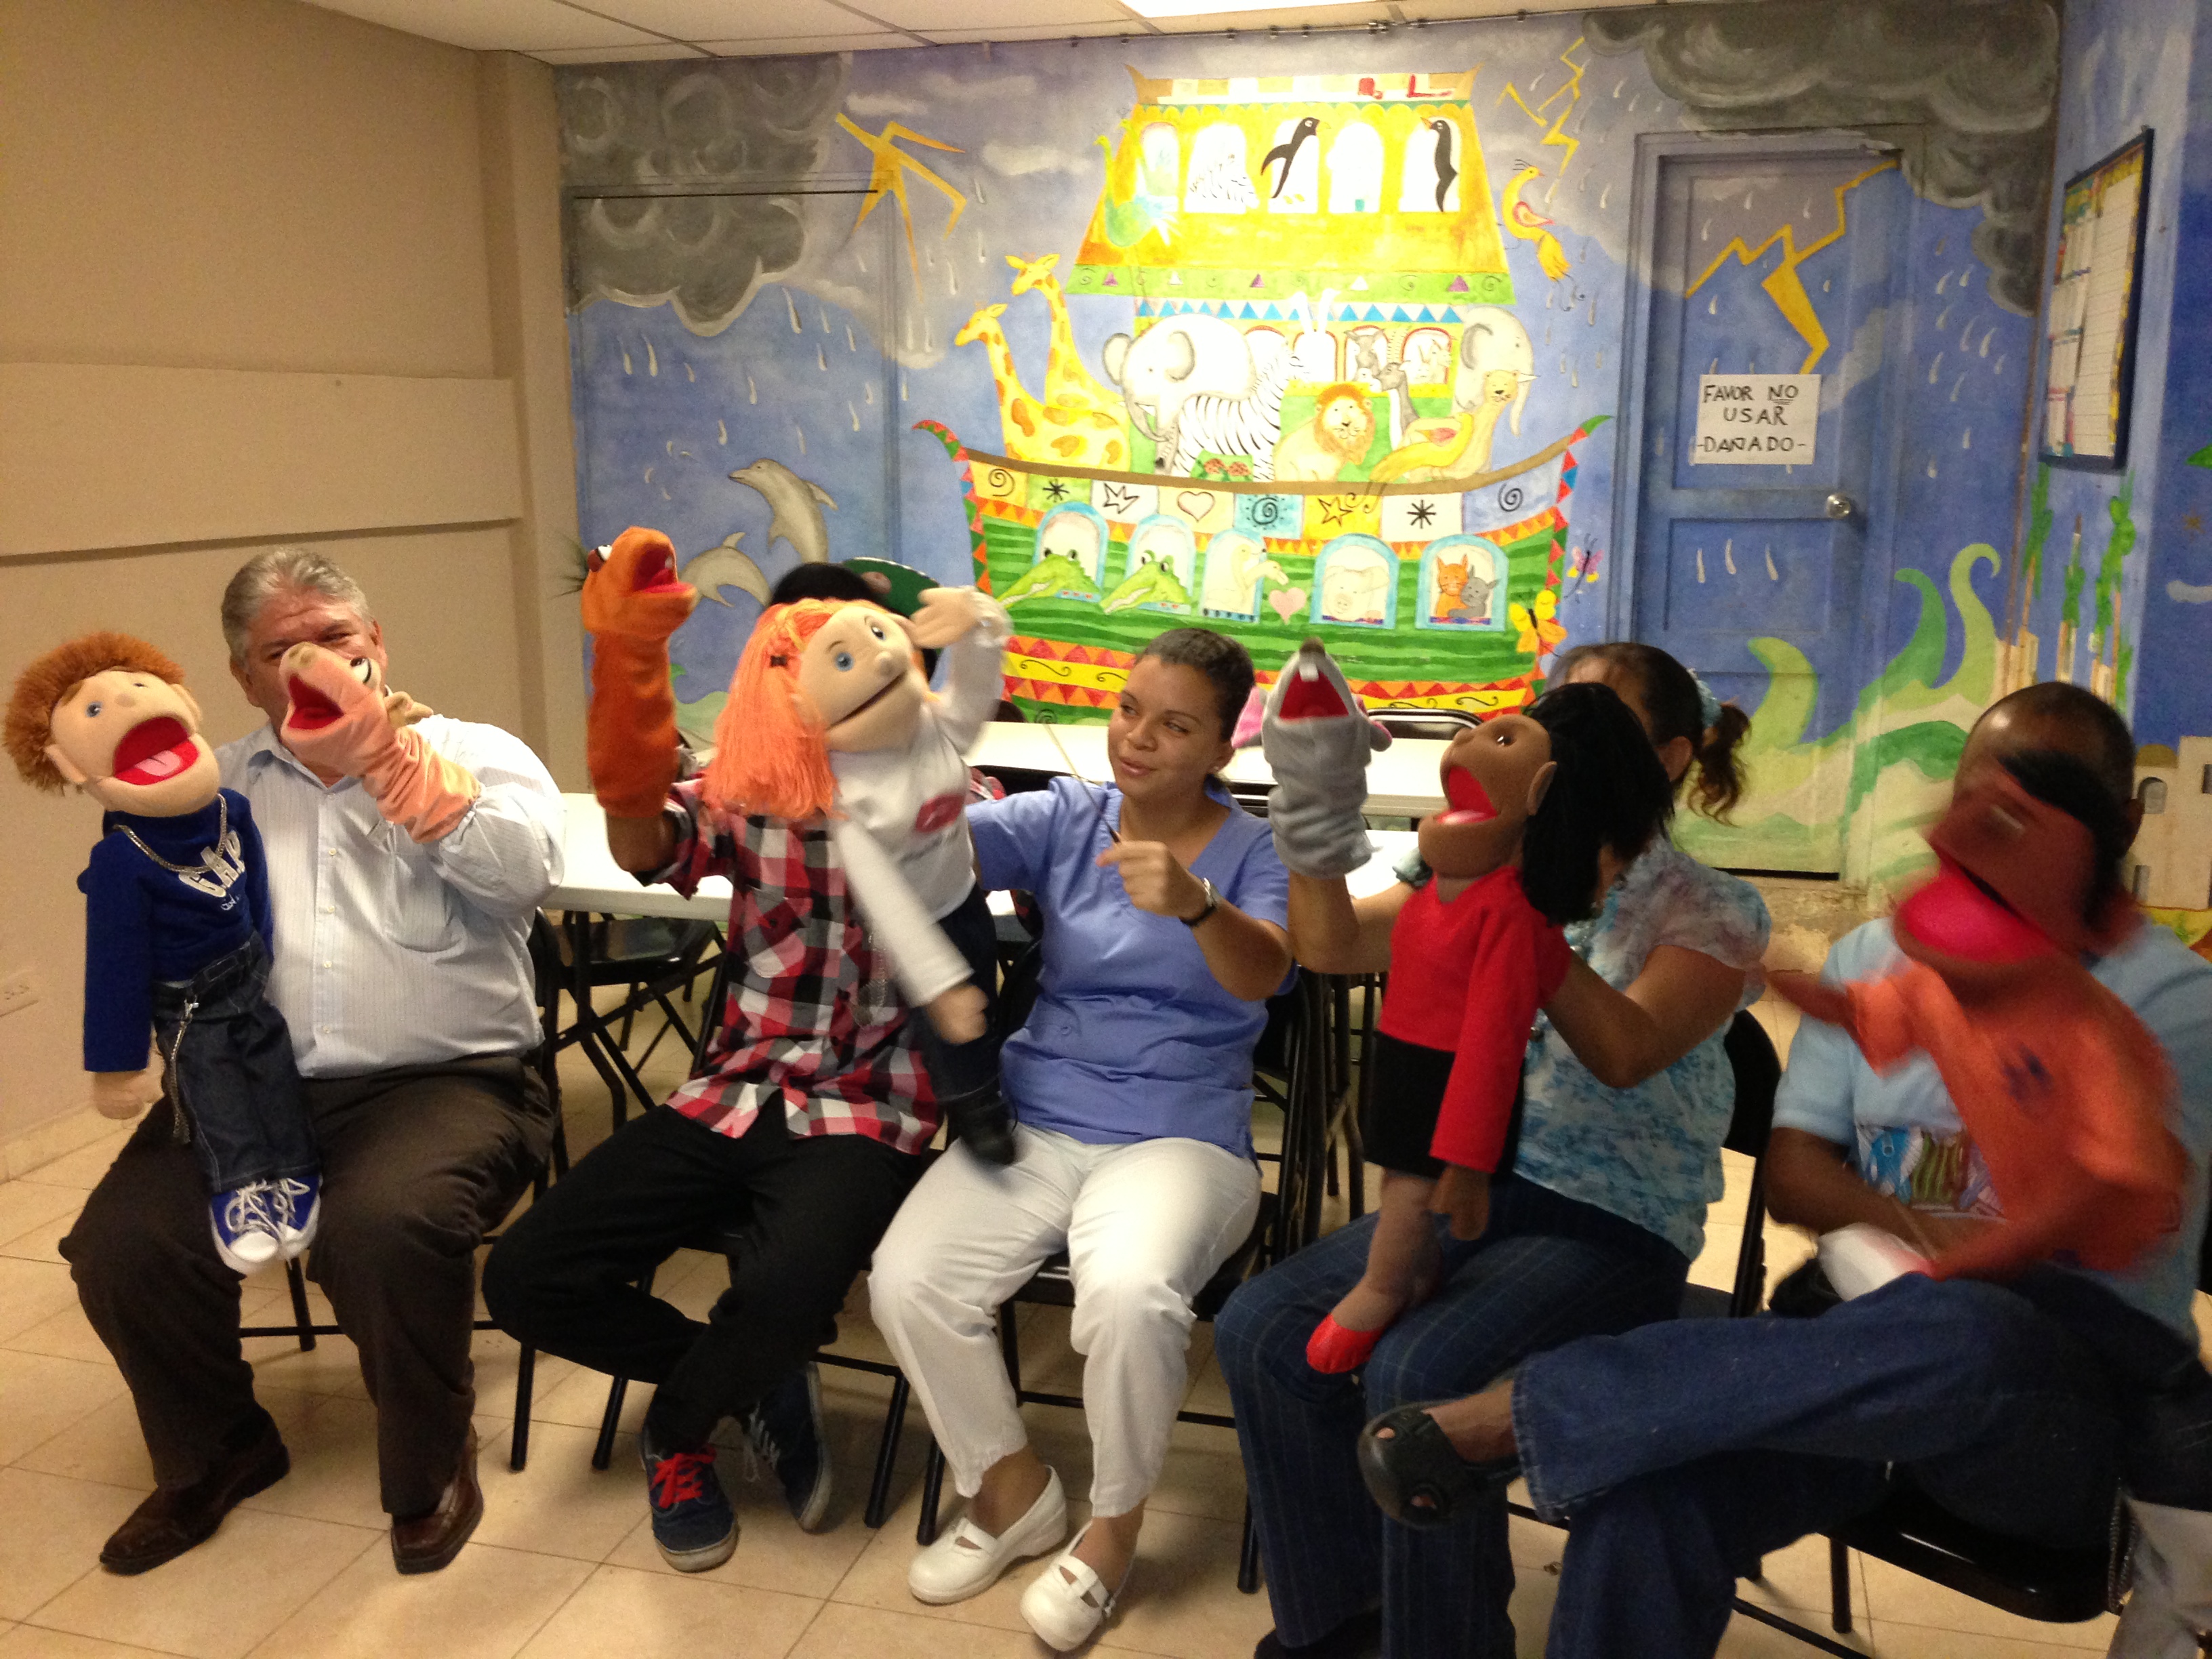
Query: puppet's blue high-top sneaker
[(245, 1224), (298, 1203), (786, 1431), (693, 1524)]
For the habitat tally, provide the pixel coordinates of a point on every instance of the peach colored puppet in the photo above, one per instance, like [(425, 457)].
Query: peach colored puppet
[(177, 934)]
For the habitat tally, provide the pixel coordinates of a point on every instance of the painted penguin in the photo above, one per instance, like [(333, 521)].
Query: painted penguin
[(1287, 152), (1445, 171), (794, 506)]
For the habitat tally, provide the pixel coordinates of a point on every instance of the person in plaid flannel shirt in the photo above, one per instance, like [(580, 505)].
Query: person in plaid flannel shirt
[(804, 1128)]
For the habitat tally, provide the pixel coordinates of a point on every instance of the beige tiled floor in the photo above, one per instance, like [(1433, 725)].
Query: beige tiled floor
[(564, 1564)]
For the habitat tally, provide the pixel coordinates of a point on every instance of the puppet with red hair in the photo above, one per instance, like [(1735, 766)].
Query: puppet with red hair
[(177, 934), (829, 720)]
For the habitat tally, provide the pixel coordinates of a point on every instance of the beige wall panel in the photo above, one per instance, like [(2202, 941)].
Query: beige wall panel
[(247, 183), (98, 456)]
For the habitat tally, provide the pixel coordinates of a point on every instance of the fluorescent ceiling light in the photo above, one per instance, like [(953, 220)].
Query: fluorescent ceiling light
[(1204, 8)]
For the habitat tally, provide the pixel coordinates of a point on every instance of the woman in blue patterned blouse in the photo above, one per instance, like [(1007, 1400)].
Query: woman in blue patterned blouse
[(1626, 1094)]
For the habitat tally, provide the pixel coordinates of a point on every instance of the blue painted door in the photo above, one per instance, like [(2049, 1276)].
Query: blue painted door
[(1768, 262)]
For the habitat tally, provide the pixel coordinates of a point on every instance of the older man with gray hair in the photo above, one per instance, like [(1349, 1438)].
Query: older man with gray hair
[(402, 969)]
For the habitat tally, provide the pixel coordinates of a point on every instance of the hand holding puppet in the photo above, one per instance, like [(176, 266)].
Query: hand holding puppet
[(632, 603), (2060, 1085), (1316, 739), (177, 927), (341, 720), (829, 718)]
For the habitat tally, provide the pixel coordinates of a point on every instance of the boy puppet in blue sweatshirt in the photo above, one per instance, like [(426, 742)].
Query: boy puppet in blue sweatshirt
[(177, 934)]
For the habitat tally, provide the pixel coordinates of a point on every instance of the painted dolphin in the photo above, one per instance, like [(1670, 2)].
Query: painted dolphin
[(723, 563), (794, 506)]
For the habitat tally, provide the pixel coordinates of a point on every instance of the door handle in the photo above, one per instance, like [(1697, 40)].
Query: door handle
[(1839, 504)]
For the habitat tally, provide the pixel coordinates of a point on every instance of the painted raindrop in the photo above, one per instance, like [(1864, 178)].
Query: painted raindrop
[(1772, 575), (867, 391), (625, 352), (1713, 305), (1727, 555), (652, 360), (721, 432), (801, 431), (1966, 439), (855, 413), (850, 343), (1934, 368), (791, 305), (1943, 281), (689, 375), (751, 396), (1701, 564)]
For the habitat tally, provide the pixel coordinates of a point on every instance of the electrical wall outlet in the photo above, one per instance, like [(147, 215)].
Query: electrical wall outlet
[(19, 990)]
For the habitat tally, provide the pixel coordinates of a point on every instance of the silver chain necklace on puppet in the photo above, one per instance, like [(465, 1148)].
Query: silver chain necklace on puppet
[(210, 857)]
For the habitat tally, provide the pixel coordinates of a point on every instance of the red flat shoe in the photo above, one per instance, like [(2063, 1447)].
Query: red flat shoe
[(1335, 1348)]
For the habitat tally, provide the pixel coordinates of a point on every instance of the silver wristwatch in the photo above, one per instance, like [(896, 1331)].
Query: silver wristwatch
[(1213, 903)]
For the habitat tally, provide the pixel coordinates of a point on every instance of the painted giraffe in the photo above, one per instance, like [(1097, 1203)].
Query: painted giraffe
[(1049, 433), (1066, 381)]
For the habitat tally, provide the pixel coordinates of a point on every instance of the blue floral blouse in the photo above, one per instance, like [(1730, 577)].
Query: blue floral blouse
[(1650, 1154)]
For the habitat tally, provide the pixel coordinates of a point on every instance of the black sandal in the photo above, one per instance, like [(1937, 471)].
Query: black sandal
[(1418, 1462)]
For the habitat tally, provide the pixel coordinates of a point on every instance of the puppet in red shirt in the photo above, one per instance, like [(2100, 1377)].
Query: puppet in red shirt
[(2060, 1084), (1531, 797)]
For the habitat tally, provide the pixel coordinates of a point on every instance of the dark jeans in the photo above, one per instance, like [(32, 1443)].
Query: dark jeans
[(807, 1211), (959, 1070), (1547, 1270), (418, 1165), (1686, 1451), (230, 1068)]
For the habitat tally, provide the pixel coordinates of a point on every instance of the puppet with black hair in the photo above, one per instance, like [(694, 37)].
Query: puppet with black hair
[(177, 934), (1531, 798)]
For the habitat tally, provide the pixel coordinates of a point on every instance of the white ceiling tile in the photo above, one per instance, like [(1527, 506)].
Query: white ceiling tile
[(1289, 21), (930, 16), (659, 50), (494, 25), (738, 20), (1133, 29), (805, 43)]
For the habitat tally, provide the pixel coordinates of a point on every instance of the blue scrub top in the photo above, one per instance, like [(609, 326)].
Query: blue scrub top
[(1131, 1038)]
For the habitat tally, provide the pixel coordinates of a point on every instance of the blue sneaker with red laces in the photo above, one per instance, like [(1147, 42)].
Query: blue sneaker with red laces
[(692, 1520)]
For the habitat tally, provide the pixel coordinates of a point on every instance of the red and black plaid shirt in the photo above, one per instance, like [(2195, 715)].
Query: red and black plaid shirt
[(813, 1020)]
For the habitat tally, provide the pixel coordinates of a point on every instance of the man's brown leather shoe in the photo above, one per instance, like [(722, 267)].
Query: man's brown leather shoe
[(175, 1518), (428, 1542)]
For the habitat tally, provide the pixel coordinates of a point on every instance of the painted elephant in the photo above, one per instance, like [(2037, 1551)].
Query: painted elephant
[(1497, 362), (1192, 385)]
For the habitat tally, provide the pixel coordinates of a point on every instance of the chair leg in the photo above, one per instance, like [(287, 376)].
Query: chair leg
[(932, 1489), (525, 1381), (1248, 1556), (887, 1445), (603, 1453), (296, 1282), (1839, 1586)]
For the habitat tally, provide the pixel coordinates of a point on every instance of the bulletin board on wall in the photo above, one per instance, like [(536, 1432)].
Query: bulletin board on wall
[(2090, 327)]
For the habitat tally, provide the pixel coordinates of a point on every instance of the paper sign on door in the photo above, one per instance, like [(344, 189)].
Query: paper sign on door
[(1756, 420)]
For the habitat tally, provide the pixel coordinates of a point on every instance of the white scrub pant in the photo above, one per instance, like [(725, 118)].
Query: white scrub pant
[(1145, 1224)]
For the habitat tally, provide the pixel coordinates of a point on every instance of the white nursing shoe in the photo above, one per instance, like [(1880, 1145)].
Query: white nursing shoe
[(1068, 1601), (967, 1560)]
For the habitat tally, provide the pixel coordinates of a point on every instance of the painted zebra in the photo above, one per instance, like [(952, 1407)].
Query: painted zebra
[(1235, 426)]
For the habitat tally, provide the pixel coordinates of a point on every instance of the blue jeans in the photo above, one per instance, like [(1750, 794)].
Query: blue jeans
[(230, 1071), (1547, 1270), (1686, 1451)]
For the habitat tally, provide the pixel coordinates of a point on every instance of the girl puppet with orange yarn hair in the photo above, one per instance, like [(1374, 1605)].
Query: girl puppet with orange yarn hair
[(829, 717)]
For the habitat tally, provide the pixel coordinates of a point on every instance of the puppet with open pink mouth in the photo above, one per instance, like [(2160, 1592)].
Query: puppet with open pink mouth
[(177, 935)]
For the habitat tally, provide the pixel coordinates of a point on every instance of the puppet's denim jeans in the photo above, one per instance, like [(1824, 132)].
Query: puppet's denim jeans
[(230, 1068), (961, 1071)]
